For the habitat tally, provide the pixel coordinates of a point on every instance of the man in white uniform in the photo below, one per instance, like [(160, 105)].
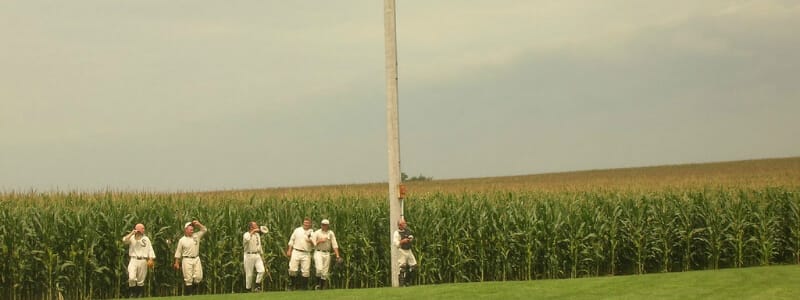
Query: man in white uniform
[(253, 258), (402, 239), (324, 242), (299, 252), (141, 254), (187, 256)]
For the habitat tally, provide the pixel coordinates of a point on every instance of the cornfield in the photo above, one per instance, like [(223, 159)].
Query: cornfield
[(69, 244)]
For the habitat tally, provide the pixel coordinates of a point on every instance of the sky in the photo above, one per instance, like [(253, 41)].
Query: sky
[(194, 95)]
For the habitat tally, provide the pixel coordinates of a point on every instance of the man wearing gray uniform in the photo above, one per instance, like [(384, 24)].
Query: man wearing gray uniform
[(141, 254), (324, 242), (187, 256), (253, 257)]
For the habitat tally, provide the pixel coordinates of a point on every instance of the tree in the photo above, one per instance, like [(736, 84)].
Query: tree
[(420, 177)]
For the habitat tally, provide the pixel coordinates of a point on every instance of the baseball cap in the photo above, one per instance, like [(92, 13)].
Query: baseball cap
[(325, 222), (187, 224)]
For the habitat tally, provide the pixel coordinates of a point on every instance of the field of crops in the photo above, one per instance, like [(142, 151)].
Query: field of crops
[(596, 223)]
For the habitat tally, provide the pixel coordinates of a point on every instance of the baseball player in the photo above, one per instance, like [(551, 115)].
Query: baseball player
[(187, 256), (402, 239), (324, 241), (253, 253), (299, 252), (141, 254)]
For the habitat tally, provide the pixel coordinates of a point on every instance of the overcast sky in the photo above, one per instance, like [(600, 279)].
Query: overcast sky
[(204, 95)]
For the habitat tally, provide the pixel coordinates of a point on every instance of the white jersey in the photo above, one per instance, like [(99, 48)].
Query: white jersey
[(399, 235), (139, 248), (300, 239), (396, 238), (324, 240), (252, 243), (190, 246)]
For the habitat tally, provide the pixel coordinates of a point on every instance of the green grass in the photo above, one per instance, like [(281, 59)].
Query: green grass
[(775, 282)]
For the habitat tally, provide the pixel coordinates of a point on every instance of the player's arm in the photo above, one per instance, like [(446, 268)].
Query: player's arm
[(178, 253), (202, 227), (334, 244), (127, 238), (150, 253)]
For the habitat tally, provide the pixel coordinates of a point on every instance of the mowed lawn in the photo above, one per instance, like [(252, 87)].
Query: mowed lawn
[(774, 282)]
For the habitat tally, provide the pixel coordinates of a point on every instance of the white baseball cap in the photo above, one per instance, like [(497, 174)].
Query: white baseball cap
[(187, 224), (325, 222)]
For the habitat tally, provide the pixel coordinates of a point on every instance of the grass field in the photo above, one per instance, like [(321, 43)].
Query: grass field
[(775, 282)]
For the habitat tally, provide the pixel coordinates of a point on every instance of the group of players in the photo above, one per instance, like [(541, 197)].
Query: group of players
[(302, 243)]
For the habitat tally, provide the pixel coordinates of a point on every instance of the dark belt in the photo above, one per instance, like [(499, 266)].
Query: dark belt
[(304, 251), (138, 257), (324, 251), (186, 256), (251, 252)]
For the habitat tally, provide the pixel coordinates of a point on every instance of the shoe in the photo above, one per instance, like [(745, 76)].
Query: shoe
[(317, 287), (256, 289)]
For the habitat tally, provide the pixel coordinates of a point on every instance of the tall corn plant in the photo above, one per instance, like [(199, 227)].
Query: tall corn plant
[(533, 245), (736, 214), (766, 237), (552, 230), (512, 224), (636, 233), (714, 231), (665, 232), (689, 229), (791, 226), (10, 250), (579, 239), (612, 233), (602, 219)]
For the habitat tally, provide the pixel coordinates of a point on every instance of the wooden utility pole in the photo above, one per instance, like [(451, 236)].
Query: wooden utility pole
[(392, 129)]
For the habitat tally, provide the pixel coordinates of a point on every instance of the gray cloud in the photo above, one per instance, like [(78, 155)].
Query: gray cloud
[(270, 93)]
